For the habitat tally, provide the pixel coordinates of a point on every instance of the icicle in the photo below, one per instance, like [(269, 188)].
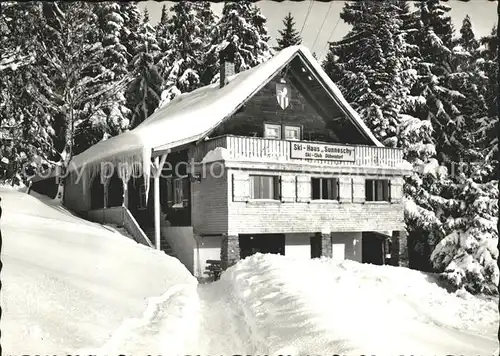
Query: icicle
[(146, 169), (85, 182)]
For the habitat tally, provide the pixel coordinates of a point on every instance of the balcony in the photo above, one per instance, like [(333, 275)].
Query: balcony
[(256, 149)]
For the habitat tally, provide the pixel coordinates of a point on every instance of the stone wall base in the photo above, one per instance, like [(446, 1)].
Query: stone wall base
[(324, 242), (230, 251)]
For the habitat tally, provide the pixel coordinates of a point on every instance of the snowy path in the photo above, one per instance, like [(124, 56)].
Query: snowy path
[(222, 325), (168, 325)]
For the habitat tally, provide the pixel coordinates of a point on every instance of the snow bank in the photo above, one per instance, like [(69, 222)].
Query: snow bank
[(69, 284), (323, 307), (217, 154)]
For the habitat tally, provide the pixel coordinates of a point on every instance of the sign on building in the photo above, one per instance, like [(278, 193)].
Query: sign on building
[(283, 95), (320, 151)]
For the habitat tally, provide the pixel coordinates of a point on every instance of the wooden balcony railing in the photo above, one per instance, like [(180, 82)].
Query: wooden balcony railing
[(261, 149)]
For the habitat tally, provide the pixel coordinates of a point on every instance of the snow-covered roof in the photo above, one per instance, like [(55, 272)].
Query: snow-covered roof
[(191, 116)]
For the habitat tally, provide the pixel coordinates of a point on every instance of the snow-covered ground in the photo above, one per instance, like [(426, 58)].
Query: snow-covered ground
[(74, 286), (69, 284)]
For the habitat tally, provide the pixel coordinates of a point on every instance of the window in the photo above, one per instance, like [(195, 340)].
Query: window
[(292, 133), (264, 187), (276, 131), (325, 188), (169, 192), (377, 190), (272, 131), (181, 192)]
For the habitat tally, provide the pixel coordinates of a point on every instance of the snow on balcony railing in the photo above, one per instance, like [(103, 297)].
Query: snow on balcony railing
[(261, 149)]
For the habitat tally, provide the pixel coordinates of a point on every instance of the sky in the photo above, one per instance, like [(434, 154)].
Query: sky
[(324, 24)]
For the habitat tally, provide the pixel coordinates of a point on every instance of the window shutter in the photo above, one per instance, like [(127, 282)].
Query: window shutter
[(358, 190), (396, 190), (278, 190), (345, 189), (387, 195), (379, 190), (241, 186), (303, 188), (275, 183), (288, 188)]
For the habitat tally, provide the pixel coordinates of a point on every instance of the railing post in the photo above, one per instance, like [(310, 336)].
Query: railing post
[(157, 201)]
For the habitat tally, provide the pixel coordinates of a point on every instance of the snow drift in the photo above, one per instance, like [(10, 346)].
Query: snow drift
[(70, 284), (323, 307)]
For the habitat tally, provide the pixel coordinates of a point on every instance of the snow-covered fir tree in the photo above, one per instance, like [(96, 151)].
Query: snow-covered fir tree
[(184, 58), (487, 69), (439, 101), (463, 241), (15, 52), (143, 93), (289, 36), (111, 23), (373, 64), (163, 38), (467, 39), (132, 21), (18, 114), (468, 254), (243, 25), (433, 100), (72, 87), (208, 20), (376, 66), (465, 79)]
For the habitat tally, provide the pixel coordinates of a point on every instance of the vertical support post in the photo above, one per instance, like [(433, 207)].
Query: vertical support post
[(395, 248), (106, 184), (157, 201), (399, 249)]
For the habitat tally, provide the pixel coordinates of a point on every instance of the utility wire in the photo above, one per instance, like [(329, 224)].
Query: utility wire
[(307, 15), (324, 20), (329, 37)]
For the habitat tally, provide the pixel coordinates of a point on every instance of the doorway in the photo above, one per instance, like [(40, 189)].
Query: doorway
[(374, 248), (96, 194), (261, 243)]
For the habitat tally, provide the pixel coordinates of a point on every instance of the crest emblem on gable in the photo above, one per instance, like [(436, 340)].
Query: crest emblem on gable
[(283, 95)]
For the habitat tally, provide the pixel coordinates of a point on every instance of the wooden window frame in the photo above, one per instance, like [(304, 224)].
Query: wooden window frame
[(276, 183), (299, 128), (282, 127), (380, 190), (276, 126), (336, 184), (178, 186)]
